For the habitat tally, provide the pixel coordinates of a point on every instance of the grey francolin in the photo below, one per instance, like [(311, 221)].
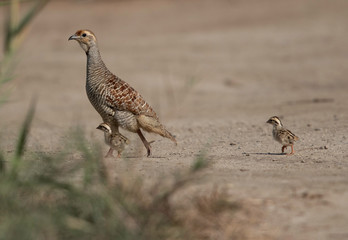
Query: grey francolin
[(282, 135), (115, 100), (115, 141)]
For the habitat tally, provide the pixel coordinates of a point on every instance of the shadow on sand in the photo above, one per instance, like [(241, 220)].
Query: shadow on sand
[(273, 154)]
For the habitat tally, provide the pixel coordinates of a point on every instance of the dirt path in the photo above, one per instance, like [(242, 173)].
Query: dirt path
[(215, 71)]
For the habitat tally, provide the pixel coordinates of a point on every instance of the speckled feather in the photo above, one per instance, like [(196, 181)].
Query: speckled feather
[(125, 98), (284, 136)]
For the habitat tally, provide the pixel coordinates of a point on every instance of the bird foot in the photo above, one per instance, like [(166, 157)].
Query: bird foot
[(288, 154), (110, 153), (145, 142), (292, 150)]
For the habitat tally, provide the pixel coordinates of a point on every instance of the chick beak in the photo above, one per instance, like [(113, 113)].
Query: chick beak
[(269, 121), (73, 37)]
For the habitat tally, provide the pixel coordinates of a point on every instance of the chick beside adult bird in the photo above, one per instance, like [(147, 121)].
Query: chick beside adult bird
[(114, 141)]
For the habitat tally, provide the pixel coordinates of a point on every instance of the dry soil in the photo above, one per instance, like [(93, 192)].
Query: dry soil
[(214, 71)]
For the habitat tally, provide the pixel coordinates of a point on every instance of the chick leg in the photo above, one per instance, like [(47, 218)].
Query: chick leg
[(145, 142), (110, 153), (292, 150), (284, 147)]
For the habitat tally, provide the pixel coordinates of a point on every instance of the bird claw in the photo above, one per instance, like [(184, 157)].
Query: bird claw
[(109, 155)]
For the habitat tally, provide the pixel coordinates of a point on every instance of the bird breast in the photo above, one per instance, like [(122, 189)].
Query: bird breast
[(276, 135), (127, 120), (97, 94)]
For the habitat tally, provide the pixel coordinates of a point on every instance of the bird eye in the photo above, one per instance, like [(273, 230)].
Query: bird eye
[(84, 35)]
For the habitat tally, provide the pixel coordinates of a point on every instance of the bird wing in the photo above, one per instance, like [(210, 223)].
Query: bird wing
[(123, 97), (287, 136)]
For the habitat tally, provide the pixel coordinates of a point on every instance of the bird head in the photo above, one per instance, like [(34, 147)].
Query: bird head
[(104, 127), (275, 121), (85, 38)]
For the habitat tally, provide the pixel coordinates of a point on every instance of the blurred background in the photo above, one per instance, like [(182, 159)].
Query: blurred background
[(214, 71)]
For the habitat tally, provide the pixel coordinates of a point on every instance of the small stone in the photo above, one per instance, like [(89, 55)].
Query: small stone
[(232, 144), (304, 194)]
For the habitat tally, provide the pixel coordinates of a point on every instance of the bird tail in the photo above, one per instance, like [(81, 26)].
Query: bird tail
[(152, 125)]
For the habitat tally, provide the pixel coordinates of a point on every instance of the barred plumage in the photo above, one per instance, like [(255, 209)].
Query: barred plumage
[(115, 100), (282, 135)]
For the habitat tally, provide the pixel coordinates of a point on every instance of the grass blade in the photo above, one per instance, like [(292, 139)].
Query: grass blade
[(23, 136), (29, 16)]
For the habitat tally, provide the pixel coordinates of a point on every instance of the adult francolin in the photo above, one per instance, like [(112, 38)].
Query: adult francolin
[(115, 100)]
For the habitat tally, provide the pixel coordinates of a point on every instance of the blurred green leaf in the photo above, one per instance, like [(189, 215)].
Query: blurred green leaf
[(22, 139), (201, 161), (2, 162)]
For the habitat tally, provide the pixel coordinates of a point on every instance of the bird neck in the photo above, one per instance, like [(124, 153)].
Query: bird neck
[(95, 64)]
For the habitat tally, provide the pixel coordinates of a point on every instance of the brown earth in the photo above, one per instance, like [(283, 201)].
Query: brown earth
[(214, 71)]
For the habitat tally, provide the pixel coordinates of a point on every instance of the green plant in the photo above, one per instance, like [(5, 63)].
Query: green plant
[(14, 33), (61, 196)]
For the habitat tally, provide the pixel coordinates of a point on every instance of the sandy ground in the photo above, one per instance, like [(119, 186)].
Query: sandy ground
[(214, 71)]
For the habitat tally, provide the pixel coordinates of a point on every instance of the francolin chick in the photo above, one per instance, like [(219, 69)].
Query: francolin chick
[(282, 135), (114, 141), (115, 100)]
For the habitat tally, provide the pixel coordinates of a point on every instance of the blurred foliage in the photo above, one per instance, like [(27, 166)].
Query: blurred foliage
[(68, 195), (14, 32)]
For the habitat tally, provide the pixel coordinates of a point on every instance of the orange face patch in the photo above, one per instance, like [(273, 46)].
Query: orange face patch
[(79, 32), (87, 32)]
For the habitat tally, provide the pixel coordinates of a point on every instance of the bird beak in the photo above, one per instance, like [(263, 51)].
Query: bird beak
[(73, 37), (269, 121)]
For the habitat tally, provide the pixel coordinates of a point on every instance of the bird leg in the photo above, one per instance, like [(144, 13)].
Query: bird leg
[(109, 154), (283, 147), (145, 142), (292, 150)]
